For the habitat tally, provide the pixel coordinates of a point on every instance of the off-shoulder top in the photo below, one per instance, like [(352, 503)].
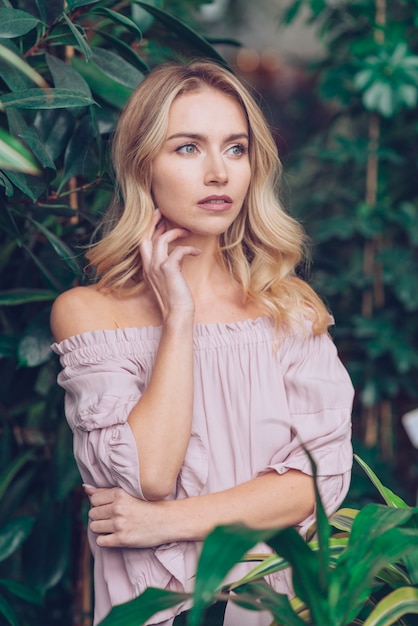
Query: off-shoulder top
[(253, 406)]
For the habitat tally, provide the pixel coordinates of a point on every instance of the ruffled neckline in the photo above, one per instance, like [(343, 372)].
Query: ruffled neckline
[(212, 329)]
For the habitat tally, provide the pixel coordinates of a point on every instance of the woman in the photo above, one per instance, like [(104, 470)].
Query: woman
[(198, 362)]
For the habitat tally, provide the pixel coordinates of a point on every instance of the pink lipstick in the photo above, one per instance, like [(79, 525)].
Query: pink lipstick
[(215, 203)]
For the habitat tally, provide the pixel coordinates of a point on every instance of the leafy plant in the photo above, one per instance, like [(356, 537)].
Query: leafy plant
[(365, 573), (66, 69), (352, 182)]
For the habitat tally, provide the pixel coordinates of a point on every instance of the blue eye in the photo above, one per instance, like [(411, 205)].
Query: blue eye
[(188, 148), (237, 150)]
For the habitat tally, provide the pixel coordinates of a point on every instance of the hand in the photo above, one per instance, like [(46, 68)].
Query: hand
[(121, 521), (162, 268)]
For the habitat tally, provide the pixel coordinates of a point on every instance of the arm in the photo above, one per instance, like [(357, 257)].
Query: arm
[(268, 501), (165, 406), (161, 422)]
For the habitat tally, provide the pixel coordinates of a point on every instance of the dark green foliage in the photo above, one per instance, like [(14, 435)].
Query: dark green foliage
[(353, 183), (64, 75), (365, 575)]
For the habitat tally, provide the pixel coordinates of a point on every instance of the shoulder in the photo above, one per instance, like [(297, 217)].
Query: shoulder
[(80, 310)]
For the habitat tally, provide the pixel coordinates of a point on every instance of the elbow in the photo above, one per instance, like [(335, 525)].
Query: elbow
[(157, 487)]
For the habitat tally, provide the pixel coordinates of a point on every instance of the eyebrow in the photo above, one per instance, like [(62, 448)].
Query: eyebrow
[(199, 137)]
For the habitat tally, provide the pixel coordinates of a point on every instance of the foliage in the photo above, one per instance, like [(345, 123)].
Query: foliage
[(66, 69), (365, 573), (353, 182)]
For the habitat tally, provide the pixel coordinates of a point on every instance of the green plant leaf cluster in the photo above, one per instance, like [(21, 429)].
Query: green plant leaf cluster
[(363, 574), (66, 70), (352, 181)]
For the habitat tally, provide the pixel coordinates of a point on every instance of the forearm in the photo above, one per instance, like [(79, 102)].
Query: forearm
[(269, 501), (161, 421)]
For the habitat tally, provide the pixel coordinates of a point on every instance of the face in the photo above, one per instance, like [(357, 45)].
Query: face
[(202, 172)]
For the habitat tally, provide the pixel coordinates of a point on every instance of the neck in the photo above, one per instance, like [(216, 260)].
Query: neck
[(204, 271)]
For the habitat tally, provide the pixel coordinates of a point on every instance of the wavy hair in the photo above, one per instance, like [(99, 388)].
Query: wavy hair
[(264, 245)]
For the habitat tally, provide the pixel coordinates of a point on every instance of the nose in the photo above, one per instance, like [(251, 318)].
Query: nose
[(216, 172)]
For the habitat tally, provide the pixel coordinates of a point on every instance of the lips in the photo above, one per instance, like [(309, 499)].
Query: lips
[(215, 203)]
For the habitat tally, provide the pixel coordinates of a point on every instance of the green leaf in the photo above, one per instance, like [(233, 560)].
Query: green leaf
[(33, 140), (393, 606), (46, 99), (8, 474), (35, 343), (15, 156), (120, 19), (126, 52), (116, 68), (305, 572), (63, 251), (269, 565), (16, 62), (408, 95), (184, 32), (262, 597), (21, 591), (55, 127), (389, 497), (13, 534), (378, 538), (65, 474), (79, 36), (138, 611), (13, 297), (222, 549), (81, 154), (273, 563), (45, 552), (343, 519), (32, 186), (46, 271), (104, 87), (8, 346), (77, 4), (323, 530), (8, 612), (380, 97), (65, 77), (15, 23)]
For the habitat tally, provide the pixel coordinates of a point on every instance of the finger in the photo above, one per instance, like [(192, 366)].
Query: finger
[(108, 541), (100, 527), (162, 241), (103, 511), (145, 246), (177, 255), (89, 489), (101, 497)]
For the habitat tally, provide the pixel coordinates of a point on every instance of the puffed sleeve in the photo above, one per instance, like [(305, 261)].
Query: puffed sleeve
[(319, 396), (103, 379)]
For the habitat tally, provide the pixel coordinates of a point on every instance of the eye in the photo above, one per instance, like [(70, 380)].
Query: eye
[(237, 150), (187, 148)]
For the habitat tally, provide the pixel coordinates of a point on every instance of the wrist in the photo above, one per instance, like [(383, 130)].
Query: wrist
[(187, 520), (179, 321)]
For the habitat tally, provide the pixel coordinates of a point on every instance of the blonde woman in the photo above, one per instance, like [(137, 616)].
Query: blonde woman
[(198, 361)]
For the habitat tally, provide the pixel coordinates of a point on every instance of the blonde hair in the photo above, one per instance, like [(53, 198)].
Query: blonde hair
[(264, 245)]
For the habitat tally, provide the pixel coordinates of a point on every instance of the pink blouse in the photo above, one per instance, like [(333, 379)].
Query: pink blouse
[(253, 406)]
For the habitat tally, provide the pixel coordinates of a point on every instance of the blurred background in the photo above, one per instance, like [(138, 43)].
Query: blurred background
[(338, 82)]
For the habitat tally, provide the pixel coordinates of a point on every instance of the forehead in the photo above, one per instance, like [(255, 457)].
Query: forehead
[(207, 106)]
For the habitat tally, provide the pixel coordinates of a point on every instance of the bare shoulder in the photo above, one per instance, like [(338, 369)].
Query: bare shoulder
[(80, 310)]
